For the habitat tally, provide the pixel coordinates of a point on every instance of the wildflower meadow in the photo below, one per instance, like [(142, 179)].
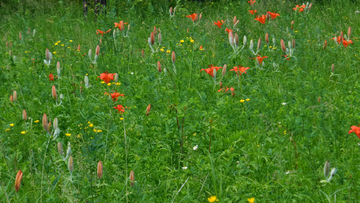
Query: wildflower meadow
[(179, 101)]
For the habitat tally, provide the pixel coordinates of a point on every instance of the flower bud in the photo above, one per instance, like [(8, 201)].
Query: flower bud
[(325, 44), (259, 44), (132, 178), (48, 54), (173, 57), (34, 31), (341, 36), (24, 115), (152, 38), (45, 123), (282, 45), (224, 70), (349, 33), (236, 39), (244, 40), (58, 68), (116, 77), (53, 92), (148, 108), (18, 178), (78, 49), (55, 123), (20, 35), (121, 25), (142, 53), (333, 67), (200, 16), (159, 66), (68, 151), (159, 38), (214, 73), (274, 41), (60, 149), (99, 169), (231, 38), (292, 23), (234, 21), (251, 45), (71, 164), (14, 96), (289, 45), (171, 11), (97, 51), (327, 169), (89, 53), (267, 38), (86, 80), (309, 8), (293, 43)]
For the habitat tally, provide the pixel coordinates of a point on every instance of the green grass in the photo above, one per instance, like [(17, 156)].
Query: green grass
[(258, 148)]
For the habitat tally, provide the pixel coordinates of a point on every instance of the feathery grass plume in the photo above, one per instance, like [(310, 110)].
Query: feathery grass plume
[(224, 70), (99, 169), (24, 115), (71, 164), (132, 178), (349, 33), (58, 68), (48, 57), (159, 66), (333, 67), (14, 96), (60, 149), (53, 92), (173, 58), (18, 178), (293, 43), (97, 52), (159, 38), (267, 38), (325, 44), (327, 169), (259, 44), (148, 108), (45, 123), (283, 45)]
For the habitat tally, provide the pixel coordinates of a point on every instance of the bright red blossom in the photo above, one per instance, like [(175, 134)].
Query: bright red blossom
[(346, 43), (210, 70), (273, 15), (299, 8), (239, 69), (193, 16), (260, 59), (286, 57), (219, 23), (251, 2), (106, 77), (252, 12), (51, 77), (115, 95), (261, 19), (356, 130), (120, 108), (228, 30), (102, 32)]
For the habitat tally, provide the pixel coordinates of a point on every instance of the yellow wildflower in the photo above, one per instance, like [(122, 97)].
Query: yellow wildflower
[(118, 84), (192, 41), (91, 125), (168, 51), (121, 118), (242, 101), (56, 44), (70, 41), (54, 52), (99, 131), (212, 199), (23, 132), (109, 84), (68, 134), (11, 125), (162, 50), (182, 41), (285, 132), (102, 82), (247, 99), (36, 121), (7, 130), (79, 135), (62, 45), (94, 129), (251, 200)]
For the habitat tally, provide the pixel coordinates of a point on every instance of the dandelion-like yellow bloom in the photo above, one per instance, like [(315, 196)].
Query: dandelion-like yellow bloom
[(54, 52), (36, 121), (285, 132), (11, 125), (7, 129), (109, 84), (94, 129), (182, 41), (91, 125), (242, 101), (56, 44), (168, 51), (70, 41), (23, 132), (247, 99), (68, 134), (192, 41), (102, 82), (121, 118), (99, 131), (118, 83), (62, 45), (79, 135), (251, 200), (212, 199)]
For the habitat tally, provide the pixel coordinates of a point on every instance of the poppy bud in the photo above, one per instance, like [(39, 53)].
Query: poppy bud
[(327, 169), (244, 40), (121, 25), (251, 45), (292, 23), (24, 115), (236, 39), (97, 52), (159, 38), (116, 77), (53, 92), (293, 43), (155, 31), (132, 178), (89, 53), (196, 17), (333, 67), (86, 80), (259, 44), (71, 164), (60, 149), (159, 66), (173, 57), (47, 54), (282, 45), (224, 70), (99, 169), (45, 123), (18, 180), (171, 11), (267, 16), (200, 16), (11, 98), (349, 33), (309, 7), (234, 20), (58, 68), (78, 49), (341, 36), (148, 108), (325, 44), (267, 38), (20, 35), (56, 123), (142, 53), (68, 151), (14, 96), (231, 38), (152, 38)]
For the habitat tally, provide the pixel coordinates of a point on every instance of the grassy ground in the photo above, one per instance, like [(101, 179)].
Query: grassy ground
[(267, 139)]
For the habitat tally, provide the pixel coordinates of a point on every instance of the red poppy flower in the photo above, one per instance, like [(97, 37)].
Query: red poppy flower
[(219, 23), (210, 70), (261, 19), (120, 108), (338, 39), (102, 32), (193, 17), (346, 43), (286, 57), (228, 30), (115, 95), (260, 59), (106, 77), (201, 48), (251, 2), (273, 15), (239, 69), (224, 89), (252, 12), (51, 77), (120, 25), (299, 8), (356, 130)]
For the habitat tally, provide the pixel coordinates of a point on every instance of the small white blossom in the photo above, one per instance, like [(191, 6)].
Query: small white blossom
[(283, 103), (195, 148), (184, 168)]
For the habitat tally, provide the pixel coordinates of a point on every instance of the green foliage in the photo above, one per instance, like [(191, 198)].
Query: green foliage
[(267, 139)]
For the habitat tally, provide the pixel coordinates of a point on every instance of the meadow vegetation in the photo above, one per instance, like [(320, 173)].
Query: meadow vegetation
[(180, 101)]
